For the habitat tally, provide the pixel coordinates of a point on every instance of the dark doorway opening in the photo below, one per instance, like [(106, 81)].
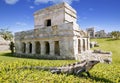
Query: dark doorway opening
[(79, 46), (23, 47), (83, 44), (30, 47), (57, 48), (38, 47), (48, 22), (47, 48), (87, 44)]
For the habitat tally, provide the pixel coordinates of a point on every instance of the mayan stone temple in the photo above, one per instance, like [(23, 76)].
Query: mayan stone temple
[(55, 34)]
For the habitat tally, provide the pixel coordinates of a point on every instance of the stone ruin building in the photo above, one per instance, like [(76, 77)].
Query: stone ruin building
[(91, 32), (55, 34), (98, 34)]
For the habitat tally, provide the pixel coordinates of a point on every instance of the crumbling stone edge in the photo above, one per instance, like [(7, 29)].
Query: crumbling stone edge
[(45, 57)]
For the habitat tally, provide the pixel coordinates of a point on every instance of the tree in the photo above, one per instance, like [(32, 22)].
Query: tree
[(115, 34), (12, 47), (7, 35)]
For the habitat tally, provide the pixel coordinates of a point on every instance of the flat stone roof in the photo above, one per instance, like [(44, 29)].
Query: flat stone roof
[(57, 6)]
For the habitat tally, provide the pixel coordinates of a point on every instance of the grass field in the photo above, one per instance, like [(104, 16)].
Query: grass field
[(101, 73)]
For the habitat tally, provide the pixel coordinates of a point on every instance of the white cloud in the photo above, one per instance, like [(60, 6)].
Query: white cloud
[(21, 24), (54, 1), (11, 2), (32, 7)]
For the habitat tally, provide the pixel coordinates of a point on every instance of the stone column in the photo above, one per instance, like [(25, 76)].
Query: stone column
[(20, 47), (51, 47), (79, 46), (40, 48), (86, 44), (64, 51), (33, 47), (81, 42), (42, 43), (88, 40), (27, 47)]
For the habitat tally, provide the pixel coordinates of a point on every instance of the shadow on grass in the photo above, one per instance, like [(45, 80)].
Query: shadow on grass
[(112, 39), (96, 79), (8, 54), (37, 57)]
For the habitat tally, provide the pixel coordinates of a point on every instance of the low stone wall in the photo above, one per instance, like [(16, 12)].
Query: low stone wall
[(102, 52), (49, 57), (4, 47), (96, 55)]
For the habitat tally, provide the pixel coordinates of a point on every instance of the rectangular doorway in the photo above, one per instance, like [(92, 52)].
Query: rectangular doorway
[(57, 48)]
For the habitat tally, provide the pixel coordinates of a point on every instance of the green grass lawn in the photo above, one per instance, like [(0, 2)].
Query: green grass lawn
[(101, 73), (110, 45)]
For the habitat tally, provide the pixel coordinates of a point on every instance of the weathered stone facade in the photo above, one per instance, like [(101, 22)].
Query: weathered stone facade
[(56, 33), (100, 34), (91, 32)]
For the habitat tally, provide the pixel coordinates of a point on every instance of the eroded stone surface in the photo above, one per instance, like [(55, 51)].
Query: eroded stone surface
[(55, 33)]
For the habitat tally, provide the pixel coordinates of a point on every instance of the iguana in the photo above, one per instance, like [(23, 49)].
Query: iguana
[(76, 68), (88, 61)]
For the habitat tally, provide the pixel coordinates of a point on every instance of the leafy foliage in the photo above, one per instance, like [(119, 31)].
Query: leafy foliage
[(116, 34), (7, 35)]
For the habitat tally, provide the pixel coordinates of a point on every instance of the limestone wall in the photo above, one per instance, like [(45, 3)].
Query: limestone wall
[(56, 34), (58, 14), (46, 32)]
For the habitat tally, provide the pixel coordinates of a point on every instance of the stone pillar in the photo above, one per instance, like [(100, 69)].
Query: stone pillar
[(40, 48), (81, 42), (42, 43), (33, 47), (64, 51), (52, 50), (88, 40), (20, 47), (86, 44), (79, 46), (27, 47)]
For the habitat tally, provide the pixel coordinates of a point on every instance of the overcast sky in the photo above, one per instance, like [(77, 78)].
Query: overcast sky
[(17, 15)]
